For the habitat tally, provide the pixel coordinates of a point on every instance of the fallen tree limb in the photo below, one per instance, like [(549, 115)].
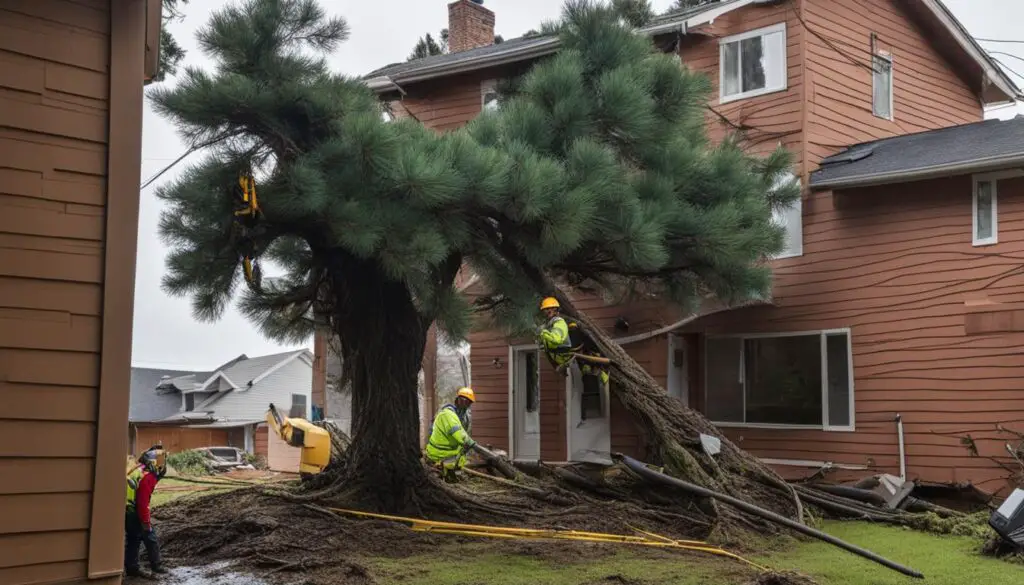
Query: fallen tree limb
[(651, 475)]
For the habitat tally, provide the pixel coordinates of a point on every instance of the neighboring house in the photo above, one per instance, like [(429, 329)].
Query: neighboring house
[(899, 293), (72, 76), (188, 410)]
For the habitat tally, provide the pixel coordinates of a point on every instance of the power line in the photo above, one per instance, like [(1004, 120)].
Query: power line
[(1008, 68), (999, 41)]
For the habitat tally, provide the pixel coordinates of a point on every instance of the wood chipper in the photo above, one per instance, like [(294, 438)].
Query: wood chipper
[(314, 441)]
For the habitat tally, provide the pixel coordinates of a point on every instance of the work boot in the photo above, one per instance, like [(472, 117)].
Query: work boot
[(133, 572), (160, 570)]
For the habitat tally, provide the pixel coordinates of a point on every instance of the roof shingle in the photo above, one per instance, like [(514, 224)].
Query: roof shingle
[(946, 151)]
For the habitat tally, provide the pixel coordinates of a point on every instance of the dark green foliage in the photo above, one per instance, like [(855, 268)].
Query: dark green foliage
[(595, 173), (171, 52), (687, 4), (426, 46)]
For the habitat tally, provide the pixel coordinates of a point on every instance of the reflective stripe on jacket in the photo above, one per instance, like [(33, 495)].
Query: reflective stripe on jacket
[(448, 435)]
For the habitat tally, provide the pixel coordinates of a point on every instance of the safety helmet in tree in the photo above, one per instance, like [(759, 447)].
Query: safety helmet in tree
[(467, 393), (549, 303)]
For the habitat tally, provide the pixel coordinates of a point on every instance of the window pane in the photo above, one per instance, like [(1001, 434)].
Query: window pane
[(882, 86), (532, 383), (752, 62), (491, 101), (838, 380), (775, 59), (783, 376), (724, 390), (983, 229), (731, 69)]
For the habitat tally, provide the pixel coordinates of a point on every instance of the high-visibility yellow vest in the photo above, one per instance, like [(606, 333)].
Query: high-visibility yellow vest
[(134, 479)]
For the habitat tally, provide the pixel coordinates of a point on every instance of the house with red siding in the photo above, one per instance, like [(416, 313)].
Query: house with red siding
[(896, 313)]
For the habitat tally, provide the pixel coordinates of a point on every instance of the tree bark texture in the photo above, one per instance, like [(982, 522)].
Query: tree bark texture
[(382, 340)]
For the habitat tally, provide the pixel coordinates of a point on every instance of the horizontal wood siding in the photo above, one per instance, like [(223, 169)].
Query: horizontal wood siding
[(443, 106), (927, 92), (260, 441), (54, 80), (765, 121), (896, 265), (177, 439)]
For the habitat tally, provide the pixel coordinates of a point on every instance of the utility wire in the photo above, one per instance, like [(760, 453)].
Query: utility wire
[(1007, 67), (999, 41), (194, 148)]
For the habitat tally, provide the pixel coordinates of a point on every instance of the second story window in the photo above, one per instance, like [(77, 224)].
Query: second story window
[(881, 85), (752, 63), (792, 218)]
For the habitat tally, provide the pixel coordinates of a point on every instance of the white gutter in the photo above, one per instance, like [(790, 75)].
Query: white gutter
[(540, 48), (929, 172)]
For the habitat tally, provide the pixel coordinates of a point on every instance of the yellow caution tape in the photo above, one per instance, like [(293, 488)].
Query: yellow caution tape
[(648, 539)]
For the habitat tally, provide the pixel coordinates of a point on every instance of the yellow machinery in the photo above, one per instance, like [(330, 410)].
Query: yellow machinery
[(314, 441)]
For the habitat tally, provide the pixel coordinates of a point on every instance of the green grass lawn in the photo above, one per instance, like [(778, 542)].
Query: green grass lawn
[(944, 560)]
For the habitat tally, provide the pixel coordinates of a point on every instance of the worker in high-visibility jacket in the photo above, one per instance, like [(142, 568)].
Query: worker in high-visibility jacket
[(562, 339), (138, 524), (449, 439)]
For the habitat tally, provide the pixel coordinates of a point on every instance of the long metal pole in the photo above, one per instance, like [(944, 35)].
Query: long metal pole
[(648, 473)]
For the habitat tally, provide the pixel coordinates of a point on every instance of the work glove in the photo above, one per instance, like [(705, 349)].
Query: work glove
[(470, 443), (147, 528)]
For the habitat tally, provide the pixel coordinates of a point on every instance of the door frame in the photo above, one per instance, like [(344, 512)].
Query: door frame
[(606, 406), (683, 379), (512, 349)]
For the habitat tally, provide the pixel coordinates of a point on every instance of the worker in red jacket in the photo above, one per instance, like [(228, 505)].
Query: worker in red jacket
[(138, 525)]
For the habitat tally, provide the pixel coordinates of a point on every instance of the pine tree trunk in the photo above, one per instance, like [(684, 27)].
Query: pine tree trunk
[(383, 466)]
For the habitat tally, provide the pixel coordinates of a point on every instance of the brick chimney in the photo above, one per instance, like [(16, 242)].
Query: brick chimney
[(470, 25)]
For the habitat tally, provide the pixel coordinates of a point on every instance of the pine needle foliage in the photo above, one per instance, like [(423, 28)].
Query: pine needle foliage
[(596, 174)]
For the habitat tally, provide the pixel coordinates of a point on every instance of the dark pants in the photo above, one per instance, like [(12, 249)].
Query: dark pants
[(134, 534)]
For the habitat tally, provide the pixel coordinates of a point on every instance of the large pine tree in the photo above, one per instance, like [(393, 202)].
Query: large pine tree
[(596, 174)]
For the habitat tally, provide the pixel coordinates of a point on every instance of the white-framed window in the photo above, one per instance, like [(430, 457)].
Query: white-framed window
[(881, 85), (781, 380), (752, 63), (791, 218), (984, 208), (489, 95)]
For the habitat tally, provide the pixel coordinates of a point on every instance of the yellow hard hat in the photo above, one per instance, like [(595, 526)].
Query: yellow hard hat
[(467, 393), (549, 303)]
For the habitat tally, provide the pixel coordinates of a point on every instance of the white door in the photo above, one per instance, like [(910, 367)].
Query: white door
[(526, 405), (590, 437), (678, 369)]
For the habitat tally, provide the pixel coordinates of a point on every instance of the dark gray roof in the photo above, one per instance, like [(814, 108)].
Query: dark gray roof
[(522, 44), (511, 44), (147, 403), (987, 145)]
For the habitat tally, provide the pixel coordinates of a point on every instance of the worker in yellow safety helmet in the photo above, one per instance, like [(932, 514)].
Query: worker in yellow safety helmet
[(449, 439), (138, 528), (562, 339)]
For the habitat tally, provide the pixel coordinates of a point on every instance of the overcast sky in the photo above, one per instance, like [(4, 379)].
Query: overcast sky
[(167, 336)]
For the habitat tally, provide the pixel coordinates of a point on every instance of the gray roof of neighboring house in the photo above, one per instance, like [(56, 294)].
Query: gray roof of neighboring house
[(150, 403), (146, 402), (956, 150)]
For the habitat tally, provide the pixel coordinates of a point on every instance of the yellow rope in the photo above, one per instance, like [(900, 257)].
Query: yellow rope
[(648, 538)]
